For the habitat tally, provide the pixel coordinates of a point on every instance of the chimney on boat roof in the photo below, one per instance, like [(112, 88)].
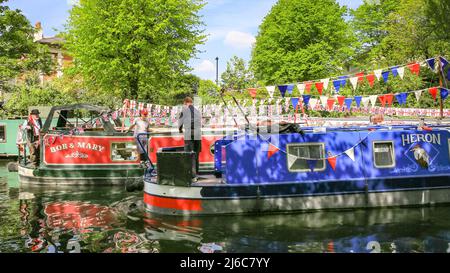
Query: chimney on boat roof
[(38, 31)]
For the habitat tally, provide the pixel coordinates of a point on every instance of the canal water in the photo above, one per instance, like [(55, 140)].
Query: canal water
[(111, 220)]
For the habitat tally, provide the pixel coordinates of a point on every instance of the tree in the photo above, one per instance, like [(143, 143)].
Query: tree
[(209, 92), (237, 76), (134, 48), (300, 40), (18, 52)]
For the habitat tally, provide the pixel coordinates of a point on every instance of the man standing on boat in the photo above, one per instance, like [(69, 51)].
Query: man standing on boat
[(33, 128), (191, 120), (141, 126)]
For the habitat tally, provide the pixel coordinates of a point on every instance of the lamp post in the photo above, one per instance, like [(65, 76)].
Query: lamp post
[(217, 71)]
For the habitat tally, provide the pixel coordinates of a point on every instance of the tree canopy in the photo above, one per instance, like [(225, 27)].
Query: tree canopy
[(237, 76), (300, 40), (134, 48)]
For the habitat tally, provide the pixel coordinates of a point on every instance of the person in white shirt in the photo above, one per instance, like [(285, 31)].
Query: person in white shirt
[(141, 125)]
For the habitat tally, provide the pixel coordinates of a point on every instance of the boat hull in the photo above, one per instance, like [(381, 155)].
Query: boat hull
[(295, 197), (82, 177)]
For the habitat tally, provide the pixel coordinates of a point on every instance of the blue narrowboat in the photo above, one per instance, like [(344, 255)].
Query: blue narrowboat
[(305, 169)]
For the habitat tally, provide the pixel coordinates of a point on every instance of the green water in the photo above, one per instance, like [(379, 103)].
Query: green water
[(111, 220)]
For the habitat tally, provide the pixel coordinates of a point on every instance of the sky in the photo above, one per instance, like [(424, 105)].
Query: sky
[(231, 26)]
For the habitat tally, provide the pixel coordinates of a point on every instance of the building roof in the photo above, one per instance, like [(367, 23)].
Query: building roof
[(51, 40)]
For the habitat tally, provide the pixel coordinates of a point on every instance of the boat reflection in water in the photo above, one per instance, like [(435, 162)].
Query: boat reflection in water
[(381, 230)]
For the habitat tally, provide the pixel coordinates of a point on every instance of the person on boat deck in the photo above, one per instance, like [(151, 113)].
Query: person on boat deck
[(33, 128), (21, 141), (191, 120), (377, 119), (141, 125)]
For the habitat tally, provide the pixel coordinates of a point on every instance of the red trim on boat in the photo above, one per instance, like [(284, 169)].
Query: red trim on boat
[(173, 203)]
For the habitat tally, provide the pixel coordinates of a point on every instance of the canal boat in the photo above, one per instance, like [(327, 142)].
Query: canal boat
[(81, 146), (305, 169)]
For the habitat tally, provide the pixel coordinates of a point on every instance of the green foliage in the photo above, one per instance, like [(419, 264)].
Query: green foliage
[(135, 48), (237, 76), (300, 40), (209, 92)]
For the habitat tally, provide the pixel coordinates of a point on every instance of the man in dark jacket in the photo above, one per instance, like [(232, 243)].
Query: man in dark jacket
[(33, 128), (191, 120)]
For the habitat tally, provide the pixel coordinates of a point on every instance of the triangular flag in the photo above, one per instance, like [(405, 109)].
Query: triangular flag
[(358, 101), (332, 162), (319, 87), (430, 63), (294, 102), (394, 70), (301, 88), (399, 98), (378, 73), (373, 100), (448, 75), (385, 75), (404, 97), (325, 83), (290, 88), (311, 164), (415, 68), (343, 80), (365, 101), (341, 100), (323, 101), (330, 104), (382, 99), (418, 94), (360, 77), (389, 98), (444, 93), (444, 62), (308, 86), (291, 160), (306, 99), (348, 103), (401, 71), (433, 92), (253, 92), (272, 150), (337, 85), (313, 103), (371, 79), (270, 90), (354, 82), (283, 89), (351, 153)]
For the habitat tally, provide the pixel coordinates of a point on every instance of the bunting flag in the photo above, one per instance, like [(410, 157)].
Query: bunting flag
[(308, 86), (313, 102), (404, 96), (358, 101), (415, 68), (373, 100), (371, 79), (294, 102), (433, 92), (378, 73), (330, 104), (389, 98), (382, 99), (283, 89), (319, 87), (325, 83), (343, 80), (337, 85), (398, 97), (341, 100), (253, 92), (324, 101), (270, 90), (354, 82), (332, 162), (394, 70), (301, 88), (351, 153), (348, 103), (360, 77), (401, 71), (306, 99), (448, 75), (272, 150), (291, 160), (365, 101), (385, 75), (444, 93), (418, 94), (444, 62), (431, 63)]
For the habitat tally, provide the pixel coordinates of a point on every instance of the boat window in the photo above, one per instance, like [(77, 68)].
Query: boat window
[(2, 133), (383, 154), (297, 152), (123, 151)]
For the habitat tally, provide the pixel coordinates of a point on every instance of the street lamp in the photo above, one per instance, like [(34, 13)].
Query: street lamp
[(217, 71)]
